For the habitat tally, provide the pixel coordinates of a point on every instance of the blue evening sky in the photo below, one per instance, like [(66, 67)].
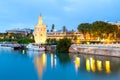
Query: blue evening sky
[(18, 14)]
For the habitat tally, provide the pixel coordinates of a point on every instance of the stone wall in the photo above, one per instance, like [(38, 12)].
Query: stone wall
[(96, 51)]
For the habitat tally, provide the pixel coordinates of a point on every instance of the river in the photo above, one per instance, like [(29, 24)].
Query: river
[(34, 65)]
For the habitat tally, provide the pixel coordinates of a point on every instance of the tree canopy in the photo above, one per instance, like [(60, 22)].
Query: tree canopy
[(98, 29), (63, 45)]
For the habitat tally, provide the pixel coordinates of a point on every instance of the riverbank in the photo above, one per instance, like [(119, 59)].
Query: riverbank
[(97, 49)]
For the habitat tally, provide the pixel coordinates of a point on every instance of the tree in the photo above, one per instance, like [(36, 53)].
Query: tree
[(104, 29), (63, 45), (118, 35), (47, 30), (51, 41), (99, 30), (84, 28), (48, 41), (64, 29), (53, 27)]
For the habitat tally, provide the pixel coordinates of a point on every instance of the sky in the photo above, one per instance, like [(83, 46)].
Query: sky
[(19, 14)]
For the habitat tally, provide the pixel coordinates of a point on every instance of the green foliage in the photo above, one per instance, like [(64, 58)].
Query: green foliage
[(98, 29), (84, 28), (19, 38), (64, 29), (25, 40), (63, 45), (53, 27), (51, 41), (118, 34), (1, 40), (75, 38)]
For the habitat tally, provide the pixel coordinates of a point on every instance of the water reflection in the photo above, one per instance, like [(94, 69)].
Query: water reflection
[(53, 60), (77, 63), (34, 53), (92, 66), (48, 66), (99, 65), (88, 65), (94, 63), (40, 63), (63, 58), (107, 67), (40, 60), (23, 51)]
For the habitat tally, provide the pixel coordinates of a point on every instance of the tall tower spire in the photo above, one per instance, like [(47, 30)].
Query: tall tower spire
[(40, 32), (40, 22)]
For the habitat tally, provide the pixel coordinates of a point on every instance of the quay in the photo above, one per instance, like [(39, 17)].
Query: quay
[(97, 49)]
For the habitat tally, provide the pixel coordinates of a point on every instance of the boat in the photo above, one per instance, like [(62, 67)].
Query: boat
[(12, 45), (35, 47)]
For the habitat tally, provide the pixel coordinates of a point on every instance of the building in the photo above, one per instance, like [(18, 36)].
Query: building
[(24, 31), (40, 32), (69, 34)]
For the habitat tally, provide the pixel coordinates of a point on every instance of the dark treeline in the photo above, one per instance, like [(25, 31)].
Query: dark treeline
[(19, 38), (99, 30), (63, 45), (51, 41)]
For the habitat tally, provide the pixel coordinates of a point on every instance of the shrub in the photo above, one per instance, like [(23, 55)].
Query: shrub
[(63, 45)]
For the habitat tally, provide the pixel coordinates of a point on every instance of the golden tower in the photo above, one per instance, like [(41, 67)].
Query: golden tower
[(40, 32)]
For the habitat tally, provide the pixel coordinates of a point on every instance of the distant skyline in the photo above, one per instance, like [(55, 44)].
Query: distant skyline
[(21, 14)]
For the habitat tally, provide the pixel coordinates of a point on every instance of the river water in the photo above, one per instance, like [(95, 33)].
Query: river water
[(34, 65)]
